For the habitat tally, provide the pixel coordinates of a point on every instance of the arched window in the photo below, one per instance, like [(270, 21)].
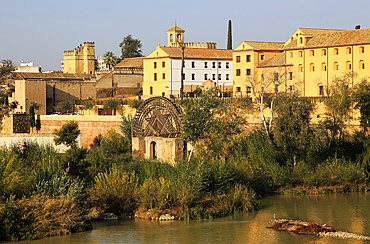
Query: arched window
[(348, 65), (312, 67), (179, 37), (300, 68), (301, 40), (361, 64), (362, 49), (348, 50), (153, 150), (312, 53), (336, 66), (323, 52), (323, 66), (300, 54), (171, 38), (336, 51)]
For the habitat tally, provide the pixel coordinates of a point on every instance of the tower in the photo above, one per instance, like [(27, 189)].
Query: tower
[(80, 60), (175, 36)]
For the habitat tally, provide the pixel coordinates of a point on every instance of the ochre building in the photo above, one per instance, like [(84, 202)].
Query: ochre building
[(80, 60)]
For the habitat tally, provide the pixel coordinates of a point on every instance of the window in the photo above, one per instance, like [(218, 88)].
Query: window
[(336, 51), (205, 76), (300, 68), (155, 76), (238, 89), (238, 59), (205, 65), (301, 40), (248, 71), (323, 52), (227, 65), (291, 54), (213, 65), (262, 77), (192, 76), (348, 65), (163, 76), (312, 53), (183, 65), (219, 76), (238, 72), (163, 64), (193, 64), (219, 65), (290, 88), (323, 67), (312, 67), (227, 76), (321, 90), (276, 76), (362, 49), (151, 90), (336, 66), (300, 54), (348, 50), (361, 64), (262, 57), (183, 76), (290, 75), (155, 65), (248, 58), (213, 77), (249, 89)]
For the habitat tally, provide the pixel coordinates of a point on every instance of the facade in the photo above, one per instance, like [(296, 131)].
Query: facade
[(80, 60), (202, 62), (124, 80), (308, 61), (48, 89)]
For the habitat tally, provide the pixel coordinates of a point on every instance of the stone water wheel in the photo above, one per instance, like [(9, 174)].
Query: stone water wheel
[(156, 129)]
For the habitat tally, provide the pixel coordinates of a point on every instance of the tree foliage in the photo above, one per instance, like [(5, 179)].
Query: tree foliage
[(6, 68), (130, 47), (32, 121), (362, 97), (67, 134), (110, 59), (229, 37)]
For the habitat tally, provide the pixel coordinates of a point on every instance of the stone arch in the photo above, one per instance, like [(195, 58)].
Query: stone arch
[(156, 129)]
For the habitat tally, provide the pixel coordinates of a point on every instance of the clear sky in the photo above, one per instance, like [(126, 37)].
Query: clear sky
[(40, 30)]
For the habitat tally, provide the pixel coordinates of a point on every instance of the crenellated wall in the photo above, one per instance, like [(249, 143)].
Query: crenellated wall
[(80, 60)]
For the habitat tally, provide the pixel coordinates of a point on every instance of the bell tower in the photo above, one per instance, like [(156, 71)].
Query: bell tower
[(175, 36)]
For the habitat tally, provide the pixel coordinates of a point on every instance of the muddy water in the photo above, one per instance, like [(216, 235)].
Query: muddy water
[(347, 212)]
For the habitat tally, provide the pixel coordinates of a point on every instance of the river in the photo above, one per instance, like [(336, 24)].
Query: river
[(348, 212)]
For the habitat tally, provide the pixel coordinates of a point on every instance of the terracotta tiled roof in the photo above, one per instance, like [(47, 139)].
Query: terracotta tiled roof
[(265, 45), (314, 31), (176, 28), (278, 60), (340, 38), (130, 63), (332, 38), (198, 53), (56, 76)]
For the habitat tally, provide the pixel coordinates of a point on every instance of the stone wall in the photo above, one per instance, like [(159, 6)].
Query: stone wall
[(90, 126), (16, 123)]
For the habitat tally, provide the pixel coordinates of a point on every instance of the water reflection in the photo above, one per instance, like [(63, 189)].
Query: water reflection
[(348, 212)]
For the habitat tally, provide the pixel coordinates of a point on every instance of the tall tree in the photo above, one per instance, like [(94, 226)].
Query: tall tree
[(110, 59), (6, 68), (229, 37), (32, 121), (130, 47)]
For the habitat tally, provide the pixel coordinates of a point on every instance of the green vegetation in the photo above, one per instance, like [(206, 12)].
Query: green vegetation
[(231, 167)]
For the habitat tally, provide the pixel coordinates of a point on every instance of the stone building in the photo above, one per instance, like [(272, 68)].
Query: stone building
[(48, 89), (308, 61), (80, 60), (162, 67), (125, 78)]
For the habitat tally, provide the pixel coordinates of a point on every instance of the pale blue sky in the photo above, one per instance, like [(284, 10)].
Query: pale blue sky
[(40, 30)]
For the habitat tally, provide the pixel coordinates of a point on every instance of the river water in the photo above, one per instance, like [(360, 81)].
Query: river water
[(347, 212)]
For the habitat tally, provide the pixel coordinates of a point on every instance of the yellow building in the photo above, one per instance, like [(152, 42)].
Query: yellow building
[(80, 60), (202, 62), (311, 59)]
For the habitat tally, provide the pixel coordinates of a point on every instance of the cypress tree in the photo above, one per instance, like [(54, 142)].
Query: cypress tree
[(32, 122), (229, 37)]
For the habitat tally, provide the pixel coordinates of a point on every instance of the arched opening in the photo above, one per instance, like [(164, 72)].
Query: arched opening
[(171, 38), (179, 37), (323, 66), (153, 150), (348, 65)]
